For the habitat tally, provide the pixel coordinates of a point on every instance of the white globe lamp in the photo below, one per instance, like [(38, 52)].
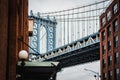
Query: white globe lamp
[(23, 54)]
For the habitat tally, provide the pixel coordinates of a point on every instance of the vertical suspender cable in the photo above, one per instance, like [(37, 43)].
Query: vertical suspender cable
[(78, 24), (83, 24), (68, 27), (72, 29), (60, 36), (87, 22), (96, 17), (75, 25), (64, 28)]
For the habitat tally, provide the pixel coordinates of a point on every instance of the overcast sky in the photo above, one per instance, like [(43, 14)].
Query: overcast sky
[(55, 5), (76, 72)]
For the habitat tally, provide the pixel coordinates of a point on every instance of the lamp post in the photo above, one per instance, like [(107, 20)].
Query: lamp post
[(23, 55), (97, 74)]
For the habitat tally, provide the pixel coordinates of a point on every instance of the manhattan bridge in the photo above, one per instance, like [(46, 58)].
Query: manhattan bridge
[(69, 36)]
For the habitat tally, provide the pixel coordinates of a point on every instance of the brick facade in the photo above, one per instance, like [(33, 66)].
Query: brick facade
[(13, 24), (3, 37), (108, 39)]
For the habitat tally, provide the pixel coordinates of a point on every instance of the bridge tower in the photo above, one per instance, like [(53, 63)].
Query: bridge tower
[(50, 27)]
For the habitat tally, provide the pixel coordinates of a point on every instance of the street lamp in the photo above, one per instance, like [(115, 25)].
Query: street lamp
[(97, 74), (23, 55)]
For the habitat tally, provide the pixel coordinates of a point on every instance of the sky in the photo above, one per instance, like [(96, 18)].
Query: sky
[(75, 72), (78, 73), (56, 5)]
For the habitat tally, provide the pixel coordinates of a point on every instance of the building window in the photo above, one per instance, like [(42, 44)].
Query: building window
[(115, 25), (109, 60), (103, 35), (109, 45), (108, 16), (115, 9), (117, 74), (110, 75), (116, 41), (104, 63), (103, 49), (116, 57), (103, 21), (109, 31), (104, 76)]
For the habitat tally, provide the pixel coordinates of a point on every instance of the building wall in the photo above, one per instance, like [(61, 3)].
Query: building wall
[(105, 57), (3, 37), (13, 25)]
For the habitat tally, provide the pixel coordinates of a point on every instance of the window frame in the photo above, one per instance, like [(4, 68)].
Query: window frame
[(104, 63), (115, 25), (116, 57), (103, 35), (103, 21), (109, 60), (115, 8), (104, 76), (108, 30), (116, 41), (103, 49), (109, 45), (110, 75), (108, 15), (117, 72)]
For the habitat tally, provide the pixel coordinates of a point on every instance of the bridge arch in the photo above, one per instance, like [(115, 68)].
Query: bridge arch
[(50, 28)]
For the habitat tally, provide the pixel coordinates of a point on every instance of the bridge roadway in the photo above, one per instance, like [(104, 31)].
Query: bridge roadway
[(79, 56), (79, 52)]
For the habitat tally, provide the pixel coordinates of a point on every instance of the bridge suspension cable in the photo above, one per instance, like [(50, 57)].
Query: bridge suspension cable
[(78, 22), (47, 13), (75, 23)]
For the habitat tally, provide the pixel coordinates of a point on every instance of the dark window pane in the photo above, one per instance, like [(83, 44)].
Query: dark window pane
[(103, 35), (116, 57), (109, 31), (110, 60), (117, 77), (116, 41), (109, 45), (110, 75)]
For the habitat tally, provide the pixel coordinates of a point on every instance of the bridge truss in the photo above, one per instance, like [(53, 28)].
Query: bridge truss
[(76, 34)]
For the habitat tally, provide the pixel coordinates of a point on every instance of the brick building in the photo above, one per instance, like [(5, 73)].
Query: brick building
[(13, 25), (110, 42)]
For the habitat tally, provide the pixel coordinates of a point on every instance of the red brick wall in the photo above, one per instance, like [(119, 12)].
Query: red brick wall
[(12, 39), (13, 24), (18, 27), (3, 37), (110, 38)]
